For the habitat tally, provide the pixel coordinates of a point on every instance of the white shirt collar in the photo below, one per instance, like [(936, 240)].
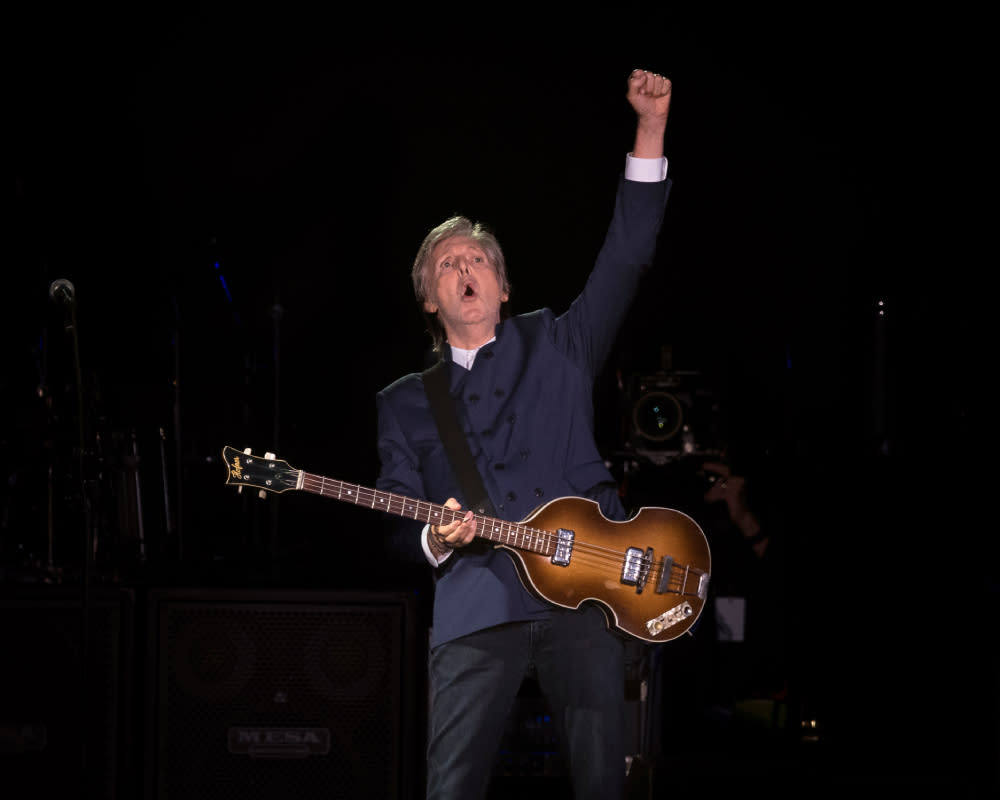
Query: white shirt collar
[(465, 358)]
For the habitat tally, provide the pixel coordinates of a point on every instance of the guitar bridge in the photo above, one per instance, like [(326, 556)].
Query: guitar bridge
[(635, 567), (664, 582)]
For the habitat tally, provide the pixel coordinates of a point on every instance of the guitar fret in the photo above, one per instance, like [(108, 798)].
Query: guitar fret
[(511, 533)]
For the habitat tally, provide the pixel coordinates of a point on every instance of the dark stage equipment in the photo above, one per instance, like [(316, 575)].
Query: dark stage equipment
[(280, 694), (65, 692), (671, 415)]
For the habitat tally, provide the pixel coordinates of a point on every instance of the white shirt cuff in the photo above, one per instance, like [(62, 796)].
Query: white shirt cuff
[(427, 548), (647, 170)]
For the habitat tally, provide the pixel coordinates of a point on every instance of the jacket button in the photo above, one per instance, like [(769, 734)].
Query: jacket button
[(511, 497), (511, 418), (473, 398), (499, 392), (498, 467), (538, 492)]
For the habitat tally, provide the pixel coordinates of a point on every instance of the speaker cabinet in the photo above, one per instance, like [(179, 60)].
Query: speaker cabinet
[(64, 691), (274, 694)]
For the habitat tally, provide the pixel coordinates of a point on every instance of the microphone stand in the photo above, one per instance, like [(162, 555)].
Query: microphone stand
[(49, 569), (178, 526), (61, 291)]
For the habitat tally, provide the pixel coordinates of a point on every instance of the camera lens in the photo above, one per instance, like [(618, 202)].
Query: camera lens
[(657, 416)]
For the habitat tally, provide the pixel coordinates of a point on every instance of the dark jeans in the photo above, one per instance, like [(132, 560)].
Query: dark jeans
[(580, 667)]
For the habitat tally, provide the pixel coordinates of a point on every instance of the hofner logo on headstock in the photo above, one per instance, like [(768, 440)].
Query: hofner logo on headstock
[(279, 742), (237, 470)]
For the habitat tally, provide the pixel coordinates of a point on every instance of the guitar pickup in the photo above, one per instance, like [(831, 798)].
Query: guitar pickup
[(635, 567), (564, 547)]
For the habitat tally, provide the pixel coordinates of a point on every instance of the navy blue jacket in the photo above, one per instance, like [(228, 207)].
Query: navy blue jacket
[(528, 416)]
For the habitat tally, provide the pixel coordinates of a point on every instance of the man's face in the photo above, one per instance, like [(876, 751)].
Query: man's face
[(464, 290)]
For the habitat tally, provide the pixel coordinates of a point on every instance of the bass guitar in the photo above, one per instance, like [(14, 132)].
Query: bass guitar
[(650, 573)]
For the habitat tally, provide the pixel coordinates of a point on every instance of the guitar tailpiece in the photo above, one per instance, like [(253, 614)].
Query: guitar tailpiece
[(669, 618)]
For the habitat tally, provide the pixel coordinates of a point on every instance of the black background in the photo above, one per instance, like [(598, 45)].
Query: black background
[(237, 196)]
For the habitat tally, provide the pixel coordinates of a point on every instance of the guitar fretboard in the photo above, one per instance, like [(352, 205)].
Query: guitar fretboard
[(512, 534)]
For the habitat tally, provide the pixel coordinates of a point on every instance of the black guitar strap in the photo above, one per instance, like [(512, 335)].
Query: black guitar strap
[(446, 416)]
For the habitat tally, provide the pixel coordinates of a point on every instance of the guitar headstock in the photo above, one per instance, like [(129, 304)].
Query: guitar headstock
[(267, 473)]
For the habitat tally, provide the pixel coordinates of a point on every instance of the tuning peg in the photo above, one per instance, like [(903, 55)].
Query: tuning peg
[(262, 494), (246, 452)]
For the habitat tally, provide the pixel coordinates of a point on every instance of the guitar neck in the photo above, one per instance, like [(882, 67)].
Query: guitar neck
[(512, 534)]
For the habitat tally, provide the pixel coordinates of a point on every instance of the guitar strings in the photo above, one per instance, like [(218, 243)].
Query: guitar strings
[(526, 538)]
